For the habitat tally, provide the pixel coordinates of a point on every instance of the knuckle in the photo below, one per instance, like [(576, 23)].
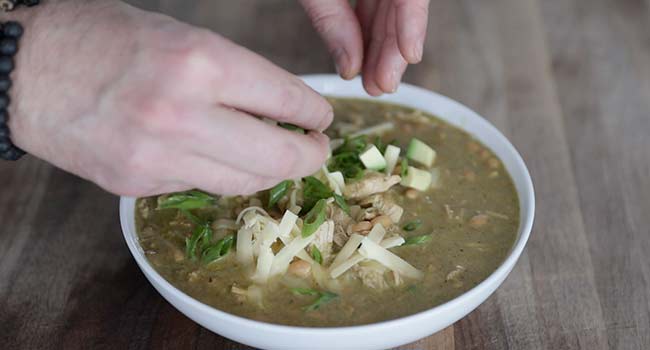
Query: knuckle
[(419, 8), (192, 63), (156, 115), (180, 63), (325, 19)]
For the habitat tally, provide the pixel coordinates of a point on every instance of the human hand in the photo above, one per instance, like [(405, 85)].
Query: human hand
[(378, 37), (142, 104)]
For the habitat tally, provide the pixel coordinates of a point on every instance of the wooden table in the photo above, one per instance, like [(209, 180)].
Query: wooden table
[(568, 81)]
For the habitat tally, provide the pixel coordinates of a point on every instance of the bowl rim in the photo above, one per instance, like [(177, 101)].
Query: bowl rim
[(127, 207)]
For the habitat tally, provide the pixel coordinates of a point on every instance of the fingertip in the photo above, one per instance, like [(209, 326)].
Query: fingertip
[(372, 89), (346, 66), (326, 120), (317, 159), (337, 24), (388, 80), (321, 139), (411, 49), (370, 85)]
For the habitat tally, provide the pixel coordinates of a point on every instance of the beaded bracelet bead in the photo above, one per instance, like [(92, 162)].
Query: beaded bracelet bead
[(8, 5), (10, 33)]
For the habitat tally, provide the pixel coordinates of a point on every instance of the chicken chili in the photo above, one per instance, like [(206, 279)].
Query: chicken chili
[(407, 213)]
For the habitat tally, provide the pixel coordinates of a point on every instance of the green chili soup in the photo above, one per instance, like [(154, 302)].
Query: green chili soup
[(407, 213)]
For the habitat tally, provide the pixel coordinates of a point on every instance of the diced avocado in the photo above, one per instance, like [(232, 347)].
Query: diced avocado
[(421, 153), (372, 158), (417, 178)]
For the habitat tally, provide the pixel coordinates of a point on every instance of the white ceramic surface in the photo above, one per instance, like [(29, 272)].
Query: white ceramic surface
[(378, 335)]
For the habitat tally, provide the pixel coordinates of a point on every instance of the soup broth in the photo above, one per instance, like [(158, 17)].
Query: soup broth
[(452, 233)]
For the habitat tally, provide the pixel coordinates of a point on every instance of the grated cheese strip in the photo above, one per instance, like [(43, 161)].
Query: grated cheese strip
[(376, 129), (348, 249), (286, 225), (245, 246), (250, 209), (377, 233), (393, 242), (346, 258), (346, 265), (286, 254), (357, 258), (264, 263), (374, 251)]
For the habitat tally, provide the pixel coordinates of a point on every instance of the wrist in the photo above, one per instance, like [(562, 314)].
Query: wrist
[(50, 49), (27, 17)]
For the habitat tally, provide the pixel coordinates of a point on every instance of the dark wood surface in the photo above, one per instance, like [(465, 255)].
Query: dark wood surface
[(568, 81)]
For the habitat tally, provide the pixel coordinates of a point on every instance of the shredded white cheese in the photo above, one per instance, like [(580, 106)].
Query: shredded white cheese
[(338, 270), (377, 233), (245, 245), (372, 250), (264, 263), (335, 180), (287, 223), (249, 209), (347, 256), (376, 129), (348, 249), (391, 242), (391, 155), (286, 254)]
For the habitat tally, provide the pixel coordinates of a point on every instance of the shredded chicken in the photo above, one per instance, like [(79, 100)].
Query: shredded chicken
[(252, 294), (240, 293), (371, 184), (341, 220), (372, 275), (337, 215), (455, 276), (385, 206), (340, 236), (367, 214)]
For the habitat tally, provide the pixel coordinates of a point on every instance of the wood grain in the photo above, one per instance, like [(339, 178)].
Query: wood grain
[(567, 81)]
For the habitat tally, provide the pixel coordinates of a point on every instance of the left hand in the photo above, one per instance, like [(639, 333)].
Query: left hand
[(378, 38)]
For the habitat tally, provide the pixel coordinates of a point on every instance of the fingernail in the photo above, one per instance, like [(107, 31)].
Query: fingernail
[(342, 62), (418, 50), (395, 78)]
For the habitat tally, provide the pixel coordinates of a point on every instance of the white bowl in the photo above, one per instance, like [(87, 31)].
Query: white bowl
[(380, 335)]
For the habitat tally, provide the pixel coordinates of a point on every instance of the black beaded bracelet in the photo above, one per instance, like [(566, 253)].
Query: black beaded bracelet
[(10, 33)]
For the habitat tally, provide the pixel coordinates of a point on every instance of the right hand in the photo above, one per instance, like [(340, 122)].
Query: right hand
[(142, 104)]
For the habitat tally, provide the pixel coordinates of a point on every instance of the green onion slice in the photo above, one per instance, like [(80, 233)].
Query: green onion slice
[(314, 218)]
